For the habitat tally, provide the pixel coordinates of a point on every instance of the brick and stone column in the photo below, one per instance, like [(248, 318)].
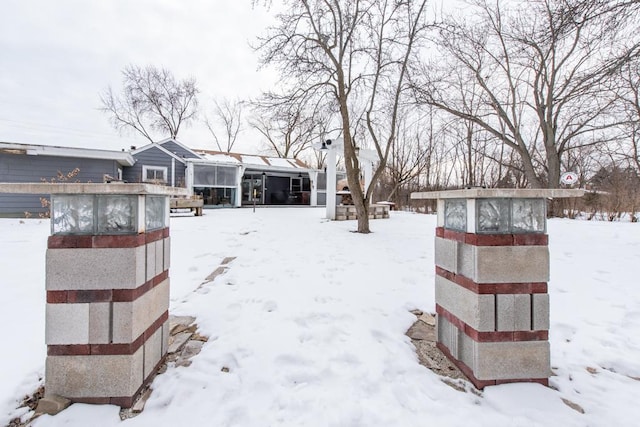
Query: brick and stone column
[(492, 269), (107, 288), (107, 282)]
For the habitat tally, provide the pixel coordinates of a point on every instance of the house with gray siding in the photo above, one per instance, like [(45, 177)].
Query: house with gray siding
[(156, 164), (35, 163), (220, 179), (228, 179)]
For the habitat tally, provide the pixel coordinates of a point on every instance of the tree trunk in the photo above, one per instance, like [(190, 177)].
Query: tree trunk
[(352, 165)]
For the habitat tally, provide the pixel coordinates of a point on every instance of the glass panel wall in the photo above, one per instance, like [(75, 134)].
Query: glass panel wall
[(216, 184), (275, 189), (214, 176), (252, 185), (213, 196)]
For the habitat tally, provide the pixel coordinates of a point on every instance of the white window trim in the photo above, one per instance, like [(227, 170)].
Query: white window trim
[(146, 168)]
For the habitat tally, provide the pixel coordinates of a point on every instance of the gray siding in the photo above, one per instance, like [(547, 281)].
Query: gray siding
[(23, 168), (178, 150), (17, 205), (154, 157)]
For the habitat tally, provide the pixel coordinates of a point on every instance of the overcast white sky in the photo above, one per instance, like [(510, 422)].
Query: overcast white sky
[(57, 56)]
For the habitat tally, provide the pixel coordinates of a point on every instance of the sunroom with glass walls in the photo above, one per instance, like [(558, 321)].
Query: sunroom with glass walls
[(216, 184)]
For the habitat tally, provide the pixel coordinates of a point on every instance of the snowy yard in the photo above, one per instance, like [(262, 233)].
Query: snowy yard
[(310, 322)]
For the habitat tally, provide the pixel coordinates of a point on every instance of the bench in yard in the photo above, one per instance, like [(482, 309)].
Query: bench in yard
[(195, 204)]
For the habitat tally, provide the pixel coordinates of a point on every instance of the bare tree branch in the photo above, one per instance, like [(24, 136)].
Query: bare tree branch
[(543, 74), (151, 101), (355, 56), (227, 115)]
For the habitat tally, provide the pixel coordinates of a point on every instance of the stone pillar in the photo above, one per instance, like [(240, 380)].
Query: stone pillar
[(107, 283), (492, 269)]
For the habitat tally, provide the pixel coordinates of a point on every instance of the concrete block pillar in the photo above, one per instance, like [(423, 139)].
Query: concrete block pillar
[(492, 269), (107, 282), (107, 287)]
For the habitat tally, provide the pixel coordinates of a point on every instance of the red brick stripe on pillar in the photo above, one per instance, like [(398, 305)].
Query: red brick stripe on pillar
[(126, 349), (528, 239), (56, 297), (106, 241), (69, 350), (128, 295), (105, 295), (84, 296), (491, 336), (156, 235), (94, 400), (452, 235), (114, 241), (64, 242), (492, 288)]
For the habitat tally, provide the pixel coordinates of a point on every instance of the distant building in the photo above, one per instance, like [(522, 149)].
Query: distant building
[(35, 163), (228, 179), (222, 179)]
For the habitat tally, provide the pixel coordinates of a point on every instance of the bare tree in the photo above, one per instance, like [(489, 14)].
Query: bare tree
[(629, 96), (542, 71), (411, 153), (478, 156), (152, 100), (354, 55), (289, 124), (621, 191), (226, 123)]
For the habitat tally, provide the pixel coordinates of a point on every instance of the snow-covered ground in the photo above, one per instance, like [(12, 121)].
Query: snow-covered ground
[(310, 322)]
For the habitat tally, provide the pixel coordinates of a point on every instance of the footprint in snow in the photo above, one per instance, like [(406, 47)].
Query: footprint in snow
[(292, 360), (270, 306)]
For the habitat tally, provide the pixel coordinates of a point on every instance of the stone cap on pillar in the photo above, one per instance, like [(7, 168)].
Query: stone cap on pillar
[(103, 209), (520, 193), (495, 210), (90, 188)]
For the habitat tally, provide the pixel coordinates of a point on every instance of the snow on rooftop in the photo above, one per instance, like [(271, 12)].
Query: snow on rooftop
[(264, 162), (284, 163), (253, 160), (222, 158)]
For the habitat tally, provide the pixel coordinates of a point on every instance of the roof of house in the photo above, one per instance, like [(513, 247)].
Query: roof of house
[(158, 147), (122, 157), (248, 160), (263, 162)]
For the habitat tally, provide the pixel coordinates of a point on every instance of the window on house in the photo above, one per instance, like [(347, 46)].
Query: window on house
[(154, 174), (214, 176)]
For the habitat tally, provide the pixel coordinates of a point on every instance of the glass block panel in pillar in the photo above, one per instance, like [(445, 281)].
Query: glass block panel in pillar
[(155, 211), (492, 215), (528, 215), (117, 214), (71, 214), (455, 214)]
